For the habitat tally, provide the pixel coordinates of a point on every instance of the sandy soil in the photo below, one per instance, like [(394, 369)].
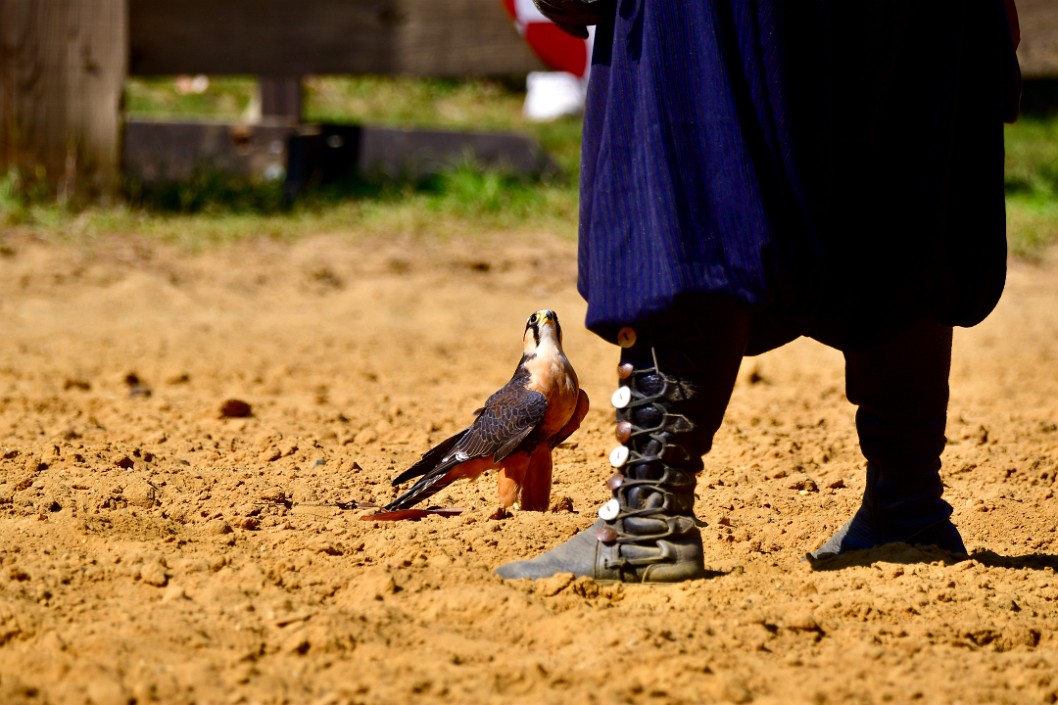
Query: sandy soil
[(153, 550)]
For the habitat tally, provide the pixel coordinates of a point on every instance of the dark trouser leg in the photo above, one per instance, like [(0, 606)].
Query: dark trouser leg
[(673, 392), (901, 388)]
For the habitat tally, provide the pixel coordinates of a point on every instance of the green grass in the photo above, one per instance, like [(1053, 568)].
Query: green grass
[(225, 98), (1032, 185), (210, 209)]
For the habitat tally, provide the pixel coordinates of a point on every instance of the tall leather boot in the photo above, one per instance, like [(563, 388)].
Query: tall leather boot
[(670, 402), (901, 388)]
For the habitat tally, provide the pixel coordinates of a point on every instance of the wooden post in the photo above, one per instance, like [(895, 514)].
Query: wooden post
[(281, 99), (1039, 38), (62, 70)]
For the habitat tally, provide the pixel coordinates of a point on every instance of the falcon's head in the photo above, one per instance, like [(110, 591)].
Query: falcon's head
[(542, 329)]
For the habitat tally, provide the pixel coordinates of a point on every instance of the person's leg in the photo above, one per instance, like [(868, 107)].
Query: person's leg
[(674, 389), (901, 388)]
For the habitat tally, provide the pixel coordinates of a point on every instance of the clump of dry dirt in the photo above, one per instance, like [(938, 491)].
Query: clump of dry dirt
[(161, 544)]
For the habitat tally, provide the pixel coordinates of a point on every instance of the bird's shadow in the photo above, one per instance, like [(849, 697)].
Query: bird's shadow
[(907, 554)]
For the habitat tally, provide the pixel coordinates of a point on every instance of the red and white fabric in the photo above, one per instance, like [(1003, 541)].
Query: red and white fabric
[(558, 50)]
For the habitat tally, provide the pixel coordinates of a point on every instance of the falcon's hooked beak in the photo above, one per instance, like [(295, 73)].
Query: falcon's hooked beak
[(542, 326)]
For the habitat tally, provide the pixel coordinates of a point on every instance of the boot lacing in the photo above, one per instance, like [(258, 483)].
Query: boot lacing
[(656, 449)]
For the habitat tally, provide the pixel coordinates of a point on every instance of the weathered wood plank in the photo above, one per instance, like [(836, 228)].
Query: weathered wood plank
[(325, 153), (284, 38), (460, 38), (397, 153), (1038, 53), (157, 151), (172, 151), (62, 71), (414, 37)]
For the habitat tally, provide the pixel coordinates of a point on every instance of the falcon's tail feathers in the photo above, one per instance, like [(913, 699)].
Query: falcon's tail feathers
[(447, 472), (424, 488), (430, 460)]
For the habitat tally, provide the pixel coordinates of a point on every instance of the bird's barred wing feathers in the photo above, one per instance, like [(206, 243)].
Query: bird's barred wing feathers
[(509, 416)]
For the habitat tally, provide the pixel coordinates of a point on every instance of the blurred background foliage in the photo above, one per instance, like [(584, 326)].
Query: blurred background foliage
[(211, 208)]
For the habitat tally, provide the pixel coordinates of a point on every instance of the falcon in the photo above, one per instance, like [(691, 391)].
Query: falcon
[(515, 431)]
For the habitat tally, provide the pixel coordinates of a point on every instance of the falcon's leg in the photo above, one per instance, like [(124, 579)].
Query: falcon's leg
[(672, 400), (511, 477), (901, 388), (536, 487)]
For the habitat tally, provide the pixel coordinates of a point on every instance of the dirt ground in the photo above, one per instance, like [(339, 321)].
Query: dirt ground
[(154, 550)]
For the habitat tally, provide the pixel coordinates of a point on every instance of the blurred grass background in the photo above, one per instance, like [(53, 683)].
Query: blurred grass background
[(210, 209)]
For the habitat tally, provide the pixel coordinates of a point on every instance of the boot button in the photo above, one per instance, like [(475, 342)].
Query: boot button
[(626, 337), (623, 431), (610, 510), (606, 534), (619, 456), (615, 481), (625, 370), (621, 397)]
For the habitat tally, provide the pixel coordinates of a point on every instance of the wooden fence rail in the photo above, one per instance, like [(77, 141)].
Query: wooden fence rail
[(297, 38)]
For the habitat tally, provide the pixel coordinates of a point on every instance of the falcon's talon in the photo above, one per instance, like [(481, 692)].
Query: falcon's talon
[(516, 430)]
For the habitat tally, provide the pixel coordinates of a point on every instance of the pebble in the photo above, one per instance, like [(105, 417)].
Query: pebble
[(235, 409), (218, 527), (154, 574)]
